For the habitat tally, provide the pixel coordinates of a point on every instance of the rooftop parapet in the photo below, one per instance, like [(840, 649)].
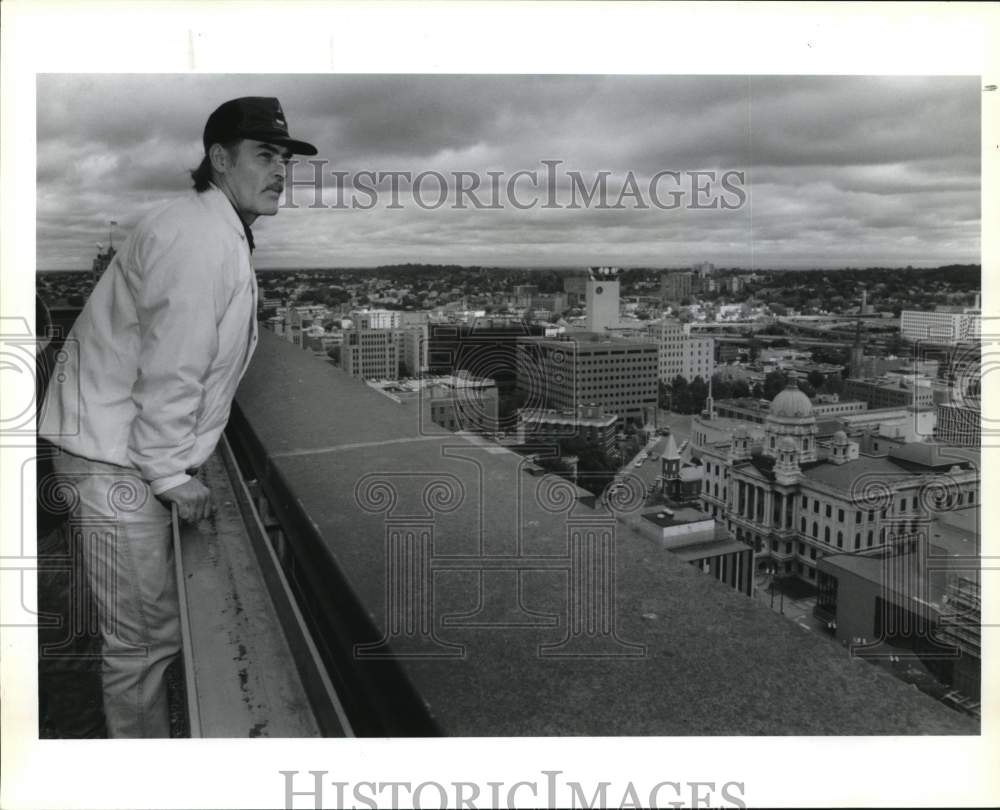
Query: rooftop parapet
[(452, 593)]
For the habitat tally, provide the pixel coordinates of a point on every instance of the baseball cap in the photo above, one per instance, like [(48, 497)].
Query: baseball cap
[(255, 117)]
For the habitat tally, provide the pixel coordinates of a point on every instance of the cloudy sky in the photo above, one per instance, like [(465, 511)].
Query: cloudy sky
[(838, 171)]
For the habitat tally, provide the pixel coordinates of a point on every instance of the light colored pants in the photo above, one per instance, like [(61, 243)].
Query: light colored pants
[(129, 564)]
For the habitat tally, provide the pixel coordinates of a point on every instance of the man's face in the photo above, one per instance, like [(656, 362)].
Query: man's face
[(254, 177)]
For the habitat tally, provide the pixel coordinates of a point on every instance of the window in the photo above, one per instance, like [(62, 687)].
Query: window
[(788, 548), (972, 497), (871, 538), (805, 502), (812, 553), (857, 541), (826, 534), (829, 510), (816, 507), (840, 539), (871, 515), (803, 526), (857, 517), (840, 515), (815, 529), (802, 548)]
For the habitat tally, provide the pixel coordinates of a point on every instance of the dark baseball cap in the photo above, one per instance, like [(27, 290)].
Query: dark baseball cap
[(254, 117)]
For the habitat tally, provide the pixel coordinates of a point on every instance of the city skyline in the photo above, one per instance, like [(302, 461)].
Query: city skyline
[(838, 171)]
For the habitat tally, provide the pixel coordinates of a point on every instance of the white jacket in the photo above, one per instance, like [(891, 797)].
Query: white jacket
[(154, 359)]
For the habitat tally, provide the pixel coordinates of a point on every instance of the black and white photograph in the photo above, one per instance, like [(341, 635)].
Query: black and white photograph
[(511, 411)]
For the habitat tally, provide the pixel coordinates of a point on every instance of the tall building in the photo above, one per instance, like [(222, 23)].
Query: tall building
[(675, 286), (958, 425), (602, 299), (797, 499), (485, 348), (940, 327), (617, 375), (413, 344), (681, 353), (377, 318), (856, 362), (101, 261), (372, 354), (524, 295)]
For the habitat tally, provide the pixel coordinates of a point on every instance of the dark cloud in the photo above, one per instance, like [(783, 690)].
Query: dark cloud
[(838, 169)]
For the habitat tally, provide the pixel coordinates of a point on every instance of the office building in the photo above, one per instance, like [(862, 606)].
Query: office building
[(371, 354), (680, 353), (958, 425), (413, 347), (675, 286), (939, 326), (618, 375), (601, 305)]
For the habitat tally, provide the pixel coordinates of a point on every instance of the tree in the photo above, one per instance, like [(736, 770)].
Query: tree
[(664, 395), (816, 379), (698, 391), (806, 388), (829, 355), (680, 395), (721, 388), (774, 382), (834, 384), (757, 392), (740, 389), (554, 464)]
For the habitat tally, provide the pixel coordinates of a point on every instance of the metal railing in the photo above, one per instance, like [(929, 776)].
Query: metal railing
[(187, 649)]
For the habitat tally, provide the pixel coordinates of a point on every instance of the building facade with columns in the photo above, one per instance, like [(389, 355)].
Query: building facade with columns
[(796, 498)]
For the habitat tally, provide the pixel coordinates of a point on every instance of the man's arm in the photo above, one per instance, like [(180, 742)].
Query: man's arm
[(177, 305)]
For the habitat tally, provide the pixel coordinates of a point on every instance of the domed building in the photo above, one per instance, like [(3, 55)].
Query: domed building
[(797, 494), (791, 416)]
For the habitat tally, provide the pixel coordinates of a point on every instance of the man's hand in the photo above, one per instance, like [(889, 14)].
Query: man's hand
[(193, 499)]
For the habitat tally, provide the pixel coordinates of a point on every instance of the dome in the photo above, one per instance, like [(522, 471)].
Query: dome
[(840, 438), (791, 404), (788, 444)]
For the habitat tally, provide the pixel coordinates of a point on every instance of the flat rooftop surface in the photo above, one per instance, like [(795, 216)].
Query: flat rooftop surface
[(502, 562)]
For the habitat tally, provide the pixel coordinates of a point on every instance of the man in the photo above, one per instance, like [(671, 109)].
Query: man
[(160, 348)]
